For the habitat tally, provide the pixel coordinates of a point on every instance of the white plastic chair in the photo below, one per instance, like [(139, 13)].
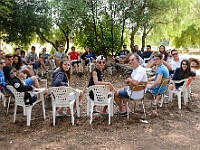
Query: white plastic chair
[(136, 88), (182, 90), (64, 97), (3, 97), (19, 101), (102, 97)]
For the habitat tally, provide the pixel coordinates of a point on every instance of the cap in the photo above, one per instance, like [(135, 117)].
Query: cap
[(100, 57)]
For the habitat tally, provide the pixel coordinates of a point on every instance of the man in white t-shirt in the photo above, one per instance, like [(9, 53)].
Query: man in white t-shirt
[(138, 75)]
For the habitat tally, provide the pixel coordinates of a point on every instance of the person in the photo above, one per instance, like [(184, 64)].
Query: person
[(22, 68), (59, 55), (148, 53), (182, 73), (135, 50), (194, 64), (32, 59), (96, 78), (91, 57), (8, 60), (138, 75), (3, 88), (74, 58), (119, 58), (22, 86), (61, 77), (46, 57), (84, 55), (161, 72), (163, 51), (176, 61), (17, 51)]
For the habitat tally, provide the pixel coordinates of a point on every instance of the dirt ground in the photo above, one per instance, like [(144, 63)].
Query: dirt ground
[(171, 129)]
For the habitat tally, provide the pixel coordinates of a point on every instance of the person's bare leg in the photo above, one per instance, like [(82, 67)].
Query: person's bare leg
[(119, 101), (35, 82), (42, 64), (29, 72), (57, 62), (76, 67)]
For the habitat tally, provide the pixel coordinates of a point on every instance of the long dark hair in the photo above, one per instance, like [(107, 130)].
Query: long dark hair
[(164, 52), (185, 73), (17, 65), (61, 68)]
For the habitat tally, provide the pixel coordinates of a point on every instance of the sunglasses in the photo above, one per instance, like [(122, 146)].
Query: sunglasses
[(184, 64), (174, 54), (155, 59), (101, 62)]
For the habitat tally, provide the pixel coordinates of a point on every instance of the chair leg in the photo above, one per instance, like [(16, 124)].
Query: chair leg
[(54, 114), (8, 105), (72, 114), (91, 112), (127, 110), (78, 107), (109, 113), (185, 96), (15, 112), (88, 107), (43, 107), (179, 101), (28, 111), (145, 116), (162, 100), (24, 110), (170, 96)]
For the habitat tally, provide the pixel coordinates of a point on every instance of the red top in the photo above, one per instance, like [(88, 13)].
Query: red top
[(74, 55)]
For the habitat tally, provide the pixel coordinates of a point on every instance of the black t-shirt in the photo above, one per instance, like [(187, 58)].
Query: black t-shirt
[(91, 81)]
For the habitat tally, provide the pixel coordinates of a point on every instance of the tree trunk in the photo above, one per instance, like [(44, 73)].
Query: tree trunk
[(94, 22), (123, 28), (144, 35), (132, 39)]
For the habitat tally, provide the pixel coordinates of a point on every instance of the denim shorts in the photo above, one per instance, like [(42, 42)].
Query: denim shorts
[(123, 93), (28, 81), (36, 65)]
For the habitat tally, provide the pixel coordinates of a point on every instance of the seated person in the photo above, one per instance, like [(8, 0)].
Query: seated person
[(59, 56), (84, 55), (74, 58), (148, 53), (46, 57), (119, 58), (61, 77), (22, 86), (25, 68), (91, 57), (32, 59), (138, 75), (3, 88), (161, 72), (194, 64), (96, 78), (181, 73), (22, 68)]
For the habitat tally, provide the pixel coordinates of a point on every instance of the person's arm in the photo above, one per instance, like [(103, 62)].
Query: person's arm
[(2, 80), (151, 79), (167, 65), (157, 82)]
